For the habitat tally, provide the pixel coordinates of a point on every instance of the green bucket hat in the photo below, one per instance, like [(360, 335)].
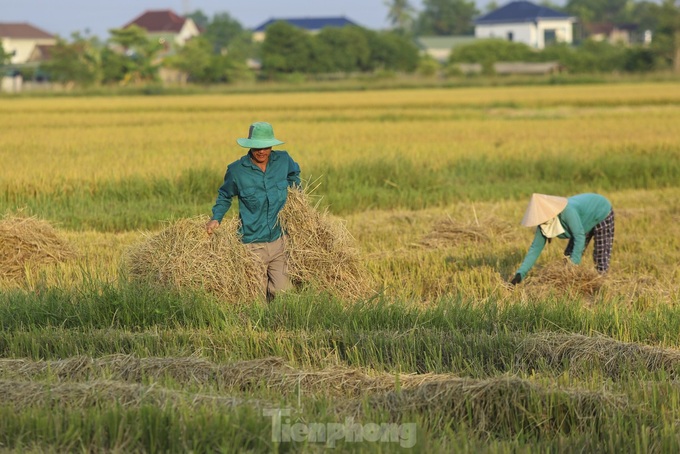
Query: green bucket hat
[(260, 135)]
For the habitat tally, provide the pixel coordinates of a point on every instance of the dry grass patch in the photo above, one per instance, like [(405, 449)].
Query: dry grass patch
[(453, 232), (639, 290), (28, 243)]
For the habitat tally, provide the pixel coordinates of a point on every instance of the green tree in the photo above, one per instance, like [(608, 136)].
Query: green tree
[(491, 6), (592, 11), (115, 66), (666, 40), (490, 51), (199, 18), (222, 31), (76, 62), (141, 52), (401, 15), (348, 47), (202, 65), (286, 49), (195, 59), (4, 58), (447, 17), (392, 50), (646, 14)]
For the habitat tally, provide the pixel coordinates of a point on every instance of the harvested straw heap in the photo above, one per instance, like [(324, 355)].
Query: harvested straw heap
[(449, 231), (582, 355), (321, 249), (185, 256), (321, 254), (562, 275), (27, 243)]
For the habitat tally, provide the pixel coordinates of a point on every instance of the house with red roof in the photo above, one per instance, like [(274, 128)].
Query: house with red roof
[(20, 39), (166, 26)]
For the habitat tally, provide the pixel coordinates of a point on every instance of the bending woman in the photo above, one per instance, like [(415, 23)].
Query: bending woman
[(578, 219)]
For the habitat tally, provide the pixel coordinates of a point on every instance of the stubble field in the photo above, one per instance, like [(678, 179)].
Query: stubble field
[(432, 184)]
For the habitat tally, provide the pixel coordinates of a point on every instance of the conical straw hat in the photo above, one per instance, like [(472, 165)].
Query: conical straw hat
[(543, 208)]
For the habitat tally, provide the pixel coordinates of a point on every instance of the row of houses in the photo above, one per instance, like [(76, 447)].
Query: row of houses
[(520, 21)]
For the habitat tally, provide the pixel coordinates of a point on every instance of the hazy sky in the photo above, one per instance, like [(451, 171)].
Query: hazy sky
[(63, 17)]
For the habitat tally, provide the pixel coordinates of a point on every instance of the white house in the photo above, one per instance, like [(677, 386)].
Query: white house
[(527, 23), (21, 39)]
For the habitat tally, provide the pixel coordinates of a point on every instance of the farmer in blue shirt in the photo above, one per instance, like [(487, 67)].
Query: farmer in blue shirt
[(260, 180), (578, 219)]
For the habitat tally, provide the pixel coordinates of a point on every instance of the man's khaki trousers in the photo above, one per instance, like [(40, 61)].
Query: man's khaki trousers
[(273, 255)]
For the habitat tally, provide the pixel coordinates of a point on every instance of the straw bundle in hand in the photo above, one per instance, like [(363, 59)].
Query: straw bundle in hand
[(321, 249)]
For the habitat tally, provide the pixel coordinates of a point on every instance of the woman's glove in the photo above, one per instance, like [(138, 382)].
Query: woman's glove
[(517, 279)]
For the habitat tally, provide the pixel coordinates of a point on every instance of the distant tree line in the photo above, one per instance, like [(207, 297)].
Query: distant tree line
[(220, 54), (288, 49)]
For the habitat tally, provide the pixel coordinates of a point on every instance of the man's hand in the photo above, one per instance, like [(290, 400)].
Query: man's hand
[(211, 226), (517, 279)]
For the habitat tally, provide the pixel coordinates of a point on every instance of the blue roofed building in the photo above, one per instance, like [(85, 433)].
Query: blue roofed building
[(309, 24), (527, 23)]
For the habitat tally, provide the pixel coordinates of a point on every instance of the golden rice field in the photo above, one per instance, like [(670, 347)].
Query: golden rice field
[(431, 184)]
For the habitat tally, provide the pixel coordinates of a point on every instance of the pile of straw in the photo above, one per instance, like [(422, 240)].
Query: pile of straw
[(21, 395), (272, 372), (27, 243), (184, 255), (563, 276), (321, 250), (449, 231), (583, 354), (506, 406), (321, 254)]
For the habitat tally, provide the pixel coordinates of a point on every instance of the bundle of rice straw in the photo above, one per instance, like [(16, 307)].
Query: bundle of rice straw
[(505, 406), (321, 249), (562, 275), (184, 255), (450, 231), (27, 243), (581, 355)]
